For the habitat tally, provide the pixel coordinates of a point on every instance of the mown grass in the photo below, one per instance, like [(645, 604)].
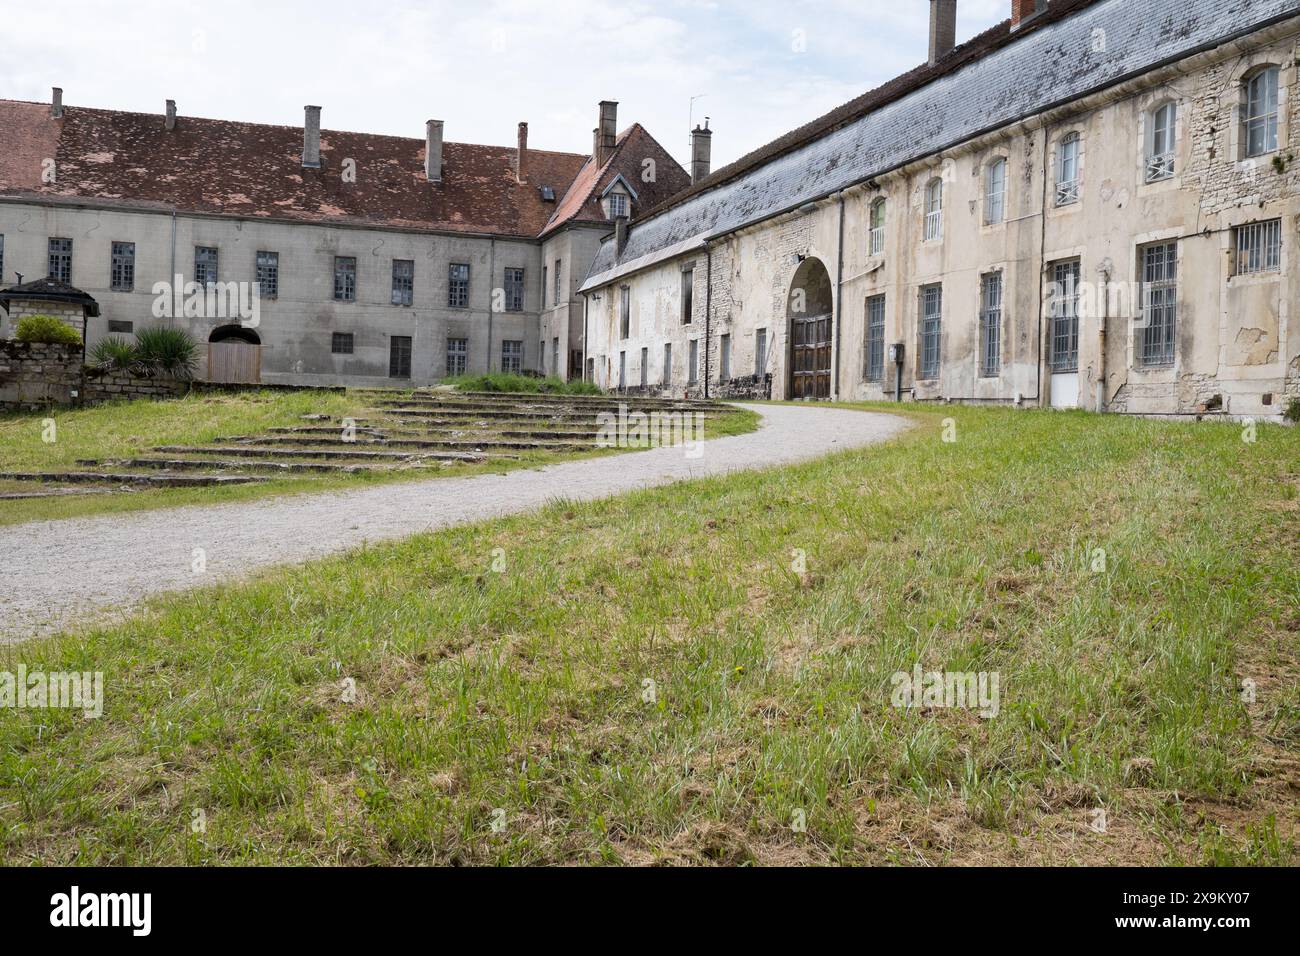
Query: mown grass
[(507, 717), (506, 382)]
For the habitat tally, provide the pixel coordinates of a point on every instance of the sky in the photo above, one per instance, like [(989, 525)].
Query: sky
[(760, 68)]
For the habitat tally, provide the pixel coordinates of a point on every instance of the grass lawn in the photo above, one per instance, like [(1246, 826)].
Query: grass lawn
[(124, 429), (409, 704)]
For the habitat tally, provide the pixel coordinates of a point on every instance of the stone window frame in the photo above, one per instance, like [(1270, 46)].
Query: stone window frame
[(688, 292), (266, 264), (1170, 161), (986, 194), (512, 356), (458, 286), (64, 256), (984, 370), (693, 361), (202, 255), (645, 367), (1151, 374), (457, 356), (1072, 199), (926, 372), (403, 291), (513, 286), (345, 266), (873, 347), (1244, 68), (932, 210), (624, 312), (121, 266), (878, 210)]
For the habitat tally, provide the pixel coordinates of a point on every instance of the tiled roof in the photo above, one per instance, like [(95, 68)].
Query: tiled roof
[(255, 171), (998, 78)]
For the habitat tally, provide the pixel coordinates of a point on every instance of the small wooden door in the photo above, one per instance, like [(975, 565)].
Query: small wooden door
[(234, 362)]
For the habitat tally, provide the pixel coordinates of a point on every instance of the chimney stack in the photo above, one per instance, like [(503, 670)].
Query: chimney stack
[(433, 150), (1022, 10), (523, 148), (701, 152), (171, 114), (56, 104), (943, 29), (620, 235), (606, 132), (311, 138)]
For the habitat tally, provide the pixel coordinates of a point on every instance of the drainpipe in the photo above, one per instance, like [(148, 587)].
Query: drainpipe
[(708, 310), (586, 311), (1042, 266), (492, 271), (1105, 272), (839, 305), (171, 276)]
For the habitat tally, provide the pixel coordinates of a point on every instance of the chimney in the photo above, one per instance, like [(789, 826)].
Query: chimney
[(56, 104), (701, 152), (171, 114), (433, 150), (311, 138), (1022, 10), (943, 29), (620, 235), (606, 132), (523, 148)]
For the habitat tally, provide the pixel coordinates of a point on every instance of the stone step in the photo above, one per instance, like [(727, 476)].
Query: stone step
[(253, 441), (332, 454), (102, 477), (236, 464), (453, 431)]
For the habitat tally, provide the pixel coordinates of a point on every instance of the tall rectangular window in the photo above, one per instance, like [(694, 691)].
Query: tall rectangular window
[(1067, 169), (934, 210), (931, 327), (403, 281), (995, 195), (61, 259), (205, 265), (458, 285), (874, 347), (1259, 247), (624, 311), (991, 325), (1160, 142), (545, 272), (268, 274), (559, 284), (399, 356), (645, 367), (668, 364), (694, 368), (2, 259), (512, 356), (1259, 112), (1159, 303), (345, 278), (878, 227), (617, 205), (724, 358), (760, 352), (688, 295), (622, 371), (457, 356), (1065, 316), (341, 343), (555, 356), (121, 272), (514, 290)]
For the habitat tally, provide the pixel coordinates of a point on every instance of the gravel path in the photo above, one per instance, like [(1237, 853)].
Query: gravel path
[(58, 572)]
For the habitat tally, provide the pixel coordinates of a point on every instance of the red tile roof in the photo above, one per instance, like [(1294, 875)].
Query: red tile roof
[(255, 171)]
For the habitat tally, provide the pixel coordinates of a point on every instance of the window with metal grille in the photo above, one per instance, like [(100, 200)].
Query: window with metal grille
[(512, 356), (403, 281), (559, 285), (624, 311), (617, 205), (1259, 247), (1064, 310), (205, 265), (668, 363), (724, 358), (1067, 170), (1160, 142), (121, 271), (1259, 112), (514, 287), (345, 278), (622, 370), (268, 274), (1159, 303), (874, 347), (341, 343), (878, 227), (457, 356), (399, 356), (995, 192), (934, 210), (931, 323), (693, 368), (61, 259), (991, 325), (688, 295), (760, 352), (645, 367), (458, 285)]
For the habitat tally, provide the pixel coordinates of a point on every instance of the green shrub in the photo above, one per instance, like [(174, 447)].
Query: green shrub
[(47, 329), (506, 382), (1292, 413), (116, 353), (165, 351)]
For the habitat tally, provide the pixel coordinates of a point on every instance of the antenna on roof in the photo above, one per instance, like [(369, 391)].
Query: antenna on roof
[(690, 125)]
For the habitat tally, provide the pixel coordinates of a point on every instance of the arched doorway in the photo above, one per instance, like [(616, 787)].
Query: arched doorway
[(810, 311), (234, 355)]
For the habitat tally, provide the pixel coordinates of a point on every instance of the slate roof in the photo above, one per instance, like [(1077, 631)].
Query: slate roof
[(998, 78), (49, 290), (252, 170)]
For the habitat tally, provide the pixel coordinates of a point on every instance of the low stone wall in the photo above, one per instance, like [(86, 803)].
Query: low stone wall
[(748, 386), (103, 386), (35, 375)]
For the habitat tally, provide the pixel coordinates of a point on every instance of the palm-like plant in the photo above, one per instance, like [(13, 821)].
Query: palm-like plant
[(164, 351), (114, 352)]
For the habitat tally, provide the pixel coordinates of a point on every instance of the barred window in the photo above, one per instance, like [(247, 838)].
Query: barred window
[(624, 311), (668, 363), (724, 358), (457, 356), (1159, 303), (458, 285), (688, 295), (555, 356), (1160, 142), (934, 210), (1259, 112), (341, 343), (1065, 316), (399, 356), (268, 274), (931, 323), (693, 368), (1259, 247), (760, 352), (991, 325), (205, 265), (995, 192), (345, 278), (121, 272), (645, 367), (512, 356), (874, 347), (1067, 170), (878, 227), (514, 287), (403, 281), (61, 259), (559, 287)]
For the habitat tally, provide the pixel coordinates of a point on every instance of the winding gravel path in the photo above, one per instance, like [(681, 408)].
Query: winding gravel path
[(56, 573)]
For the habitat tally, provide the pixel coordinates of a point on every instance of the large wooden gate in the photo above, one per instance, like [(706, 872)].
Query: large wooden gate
[(810, 358), (234, 362)]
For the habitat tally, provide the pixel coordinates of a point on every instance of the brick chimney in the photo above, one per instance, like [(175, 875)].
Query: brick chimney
[(433, 150), (943, 29), (701, 151), (606, 132), (1022, 10), (56, 103), (171, 115), (519, 156), (311, 138)]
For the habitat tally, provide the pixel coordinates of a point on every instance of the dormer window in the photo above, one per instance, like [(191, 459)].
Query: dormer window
[(618, 206)]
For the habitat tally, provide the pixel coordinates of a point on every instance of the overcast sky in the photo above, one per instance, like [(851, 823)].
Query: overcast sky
[(385, 66)]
